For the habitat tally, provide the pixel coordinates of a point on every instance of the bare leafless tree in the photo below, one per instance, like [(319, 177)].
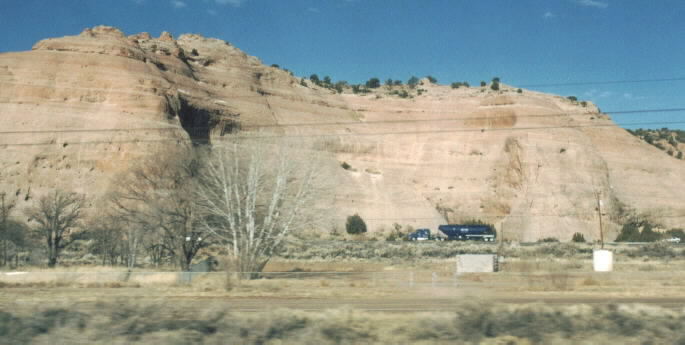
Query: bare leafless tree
[(6, 207), (252, 199), (157, 197), (57, 219), (107, 235)]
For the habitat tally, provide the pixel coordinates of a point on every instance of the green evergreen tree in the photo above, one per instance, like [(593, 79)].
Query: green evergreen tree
[(413, 81), (578, 238), (355, 225), (373, 83)]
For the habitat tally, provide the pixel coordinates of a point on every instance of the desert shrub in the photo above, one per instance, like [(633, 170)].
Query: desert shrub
[(373, 83), (679, 233), (455, 85), (559, 250), (483, 83), (572, 98), (578, 238), (397, 234), (432, 79), (327, 81), (388, 82), (413, 81), (494, 86), (273, 65), (583, 103), (654, 250), (397, 82), (638, 231), (314, 78), (303, 83), (471, 323), (403, 94), (495, 80), (355, 225), (648, 234), (562, 150), (345, 166), (548, 240), (519, 91), (679, 155)]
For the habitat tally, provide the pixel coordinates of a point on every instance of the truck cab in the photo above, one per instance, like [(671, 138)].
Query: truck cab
[(420, 235)]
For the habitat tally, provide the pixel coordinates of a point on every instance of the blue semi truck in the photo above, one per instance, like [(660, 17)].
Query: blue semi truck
[(457, 232)]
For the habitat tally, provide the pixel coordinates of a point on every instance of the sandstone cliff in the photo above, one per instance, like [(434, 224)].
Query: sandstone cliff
[(77, 110)]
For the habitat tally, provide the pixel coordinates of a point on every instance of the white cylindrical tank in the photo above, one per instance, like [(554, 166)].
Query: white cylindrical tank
[(602, 260)]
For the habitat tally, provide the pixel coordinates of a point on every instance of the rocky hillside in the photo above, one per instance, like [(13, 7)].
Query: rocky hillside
[(77, 110)]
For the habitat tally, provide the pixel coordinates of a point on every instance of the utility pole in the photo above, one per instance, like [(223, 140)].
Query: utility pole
[(598, 194)]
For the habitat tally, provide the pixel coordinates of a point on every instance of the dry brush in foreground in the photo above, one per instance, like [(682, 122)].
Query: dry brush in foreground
[(471, 324)]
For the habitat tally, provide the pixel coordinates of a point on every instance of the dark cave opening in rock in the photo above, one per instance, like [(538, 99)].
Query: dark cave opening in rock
[(196, 122)]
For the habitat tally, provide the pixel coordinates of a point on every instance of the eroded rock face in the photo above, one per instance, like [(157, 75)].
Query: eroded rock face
[(77, 110)]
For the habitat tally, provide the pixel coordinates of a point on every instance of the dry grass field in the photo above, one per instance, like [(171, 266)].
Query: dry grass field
[(543, 294)]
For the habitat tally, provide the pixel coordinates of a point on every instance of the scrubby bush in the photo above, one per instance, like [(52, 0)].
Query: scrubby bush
[(578, 238), (432, 79), (679, 233), (659, 250), (355, 225), (483, 83), (557, 250), (638, 231), (572, 98), (373, 83), (413, 81), (548, 240), (345, 166), (519, 91), (303, 83), (314, 78), (495, 86), (339, 86), (473, 322)]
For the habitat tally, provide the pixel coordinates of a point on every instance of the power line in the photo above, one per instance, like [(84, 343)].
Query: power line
[(276, 136), (342, 123), (592, 212), (610, 82)]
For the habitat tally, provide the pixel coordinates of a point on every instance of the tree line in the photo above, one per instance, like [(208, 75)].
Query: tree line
[(247, 199)]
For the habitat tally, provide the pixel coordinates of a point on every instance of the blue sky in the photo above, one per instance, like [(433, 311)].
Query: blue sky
[(523, 41)]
